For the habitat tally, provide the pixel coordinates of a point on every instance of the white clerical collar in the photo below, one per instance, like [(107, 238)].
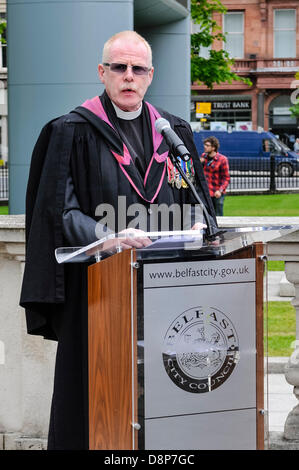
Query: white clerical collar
[(127, 115)]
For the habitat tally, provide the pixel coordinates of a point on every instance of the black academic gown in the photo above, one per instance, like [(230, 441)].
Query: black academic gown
[(55, 296)]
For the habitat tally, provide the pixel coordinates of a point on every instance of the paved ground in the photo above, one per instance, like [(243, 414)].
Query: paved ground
[(281, 401), (280, 397)]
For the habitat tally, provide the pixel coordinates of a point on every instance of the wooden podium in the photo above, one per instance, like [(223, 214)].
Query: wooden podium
[(176, 355)]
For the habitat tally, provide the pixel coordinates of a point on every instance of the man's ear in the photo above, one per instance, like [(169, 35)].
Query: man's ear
[(101, 72), (151, 74)]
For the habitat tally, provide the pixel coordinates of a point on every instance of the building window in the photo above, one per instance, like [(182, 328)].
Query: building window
[(233, 28), (204, 51), (280, 116), (284, 33)]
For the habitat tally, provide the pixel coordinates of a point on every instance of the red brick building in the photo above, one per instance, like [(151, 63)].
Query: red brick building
[(263, 38)]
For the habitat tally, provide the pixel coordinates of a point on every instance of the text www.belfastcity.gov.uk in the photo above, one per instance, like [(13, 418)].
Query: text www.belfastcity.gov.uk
[(206, 272)]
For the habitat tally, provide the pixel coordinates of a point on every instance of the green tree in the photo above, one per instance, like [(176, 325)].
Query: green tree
[(295, 108), (217, 68), (3, 26)]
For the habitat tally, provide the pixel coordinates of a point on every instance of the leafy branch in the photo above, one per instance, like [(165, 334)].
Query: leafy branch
[(295, 108), (217, 68), (3, 26)]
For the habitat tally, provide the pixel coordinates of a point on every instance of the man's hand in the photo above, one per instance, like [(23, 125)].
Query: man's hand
[(127, 242), (198, 226), (130, 242), (217, 194)]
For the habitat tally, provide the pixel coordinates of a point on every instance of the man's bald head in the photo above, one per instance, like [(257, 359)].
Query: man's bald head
[(126, 35)]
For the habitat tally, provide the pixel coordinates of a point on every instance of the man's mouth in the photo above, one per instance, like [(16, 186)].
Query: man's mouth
[(128, 90)]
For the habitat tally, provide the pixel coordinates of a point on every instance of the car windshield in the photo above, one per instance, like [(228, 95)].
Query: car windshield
[(282, 145)]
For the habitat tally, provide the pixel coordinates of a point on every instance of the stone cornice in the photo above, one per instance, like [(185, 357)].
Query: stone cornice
[(12, 234)]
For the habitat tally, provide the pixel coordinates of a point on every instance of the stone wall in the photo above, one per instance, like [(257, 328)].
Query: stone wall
[(26, 362)]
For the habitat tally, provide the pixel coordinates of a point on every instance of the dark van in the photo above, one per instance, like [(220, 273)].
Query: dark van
[(250, 150)]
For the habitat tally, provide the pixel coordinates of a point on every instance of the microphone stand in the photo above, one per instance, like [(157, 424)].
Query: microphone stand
[(212, 232)]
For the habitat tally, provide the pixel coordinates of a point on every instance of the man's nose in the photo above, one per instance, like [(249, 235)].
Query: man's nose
[(129, 73)]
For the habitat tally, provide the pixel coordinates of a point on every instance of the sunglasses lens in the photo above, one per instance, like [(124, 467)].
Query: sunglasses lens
[(118, 68), (121, 68), (138, 70)]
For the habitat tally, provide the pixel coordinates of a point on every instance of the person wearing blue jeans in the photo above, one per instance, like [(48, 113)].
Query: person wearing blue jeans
[(216, 170)]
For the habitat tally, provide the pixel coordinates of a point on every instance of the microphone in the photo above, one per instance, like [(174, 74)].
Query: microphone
[(178, 148), (175, 144)]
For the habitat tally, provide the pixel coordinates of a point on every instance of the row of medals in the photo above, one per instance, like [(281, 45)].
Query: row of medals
[(174, 177)]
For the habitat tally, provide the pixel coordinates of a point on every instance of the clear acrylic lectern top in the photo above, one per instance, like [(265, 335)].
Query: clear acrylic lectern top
[(174, 243)]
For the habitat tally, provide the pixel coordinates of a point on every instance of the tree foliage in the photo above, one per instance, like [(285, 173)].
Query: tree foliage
[(295, 108), (3, 26), (217, 68)]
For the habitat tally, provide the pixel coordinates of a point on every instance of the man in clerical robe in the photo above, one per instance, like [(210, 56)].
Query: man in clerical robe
[(105, 151)]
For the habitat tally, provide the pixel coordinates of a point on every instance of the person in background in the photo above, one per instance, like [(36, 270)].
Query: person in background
[(296, 145), (216, 170)]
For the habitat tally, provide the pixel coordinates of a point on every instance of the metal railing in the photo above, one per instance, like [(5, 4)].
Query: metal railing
[(4, 190), (262, 175)]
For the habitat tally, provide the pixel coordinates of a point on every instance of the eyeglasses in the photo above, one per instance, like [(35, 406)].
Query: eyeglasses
[(121, 68)]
